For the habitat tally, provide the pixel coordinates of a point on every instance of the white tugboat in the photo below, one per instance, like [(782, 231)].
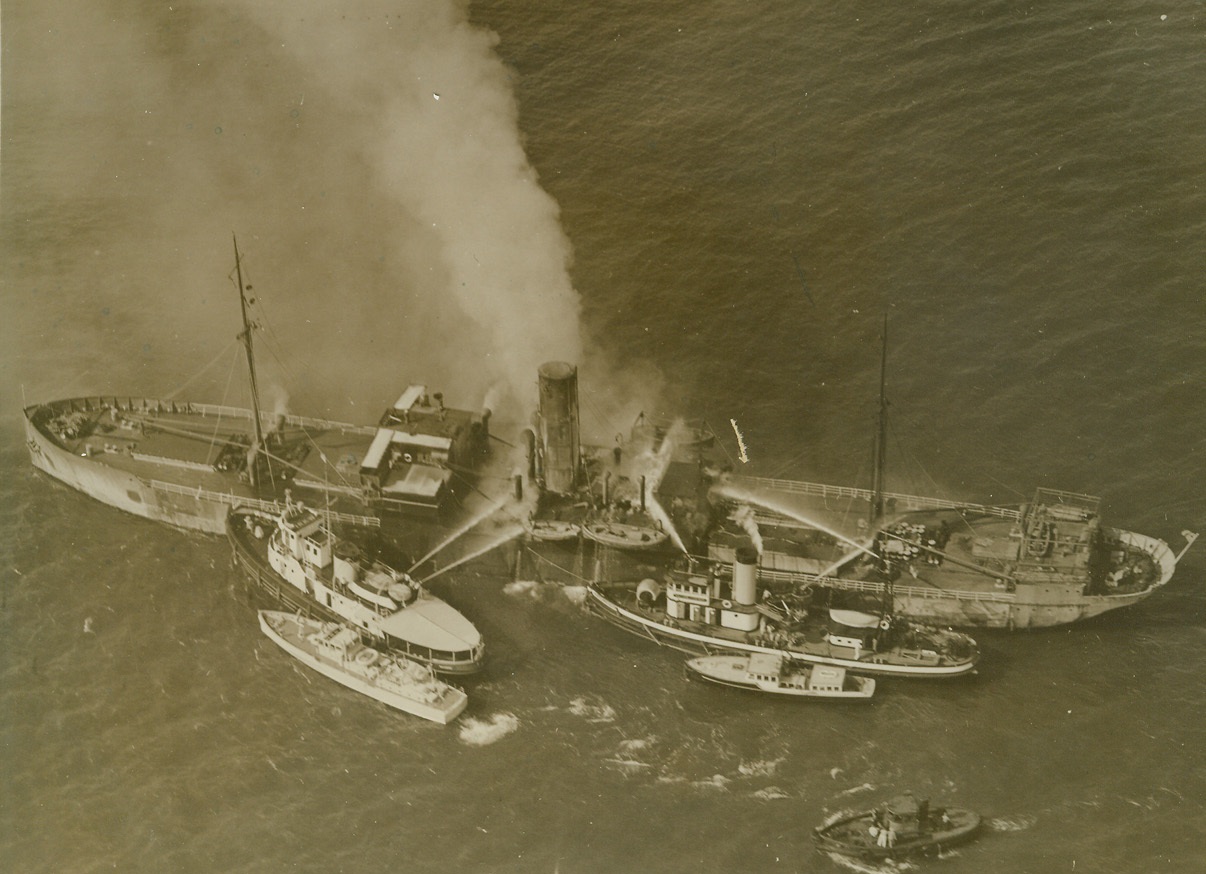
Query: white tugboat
[(297, 560), (776, 675), (334, 650)]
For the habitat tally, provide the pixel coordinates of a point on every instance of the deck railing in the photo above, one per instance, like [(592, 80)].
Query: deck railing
[(274, 507), (911, 502), (928, 592)]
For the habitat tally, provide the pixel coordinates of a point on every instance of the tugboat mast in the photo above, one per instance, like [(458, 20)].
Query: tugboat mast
[(245, 336), (881, 436)]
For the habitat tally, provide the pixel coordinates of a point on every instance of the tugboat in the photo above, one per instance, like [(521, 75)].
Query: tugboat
[(705, 608), (187, 463), (334, 650), (775, 675), (296, 559), (900, 827)]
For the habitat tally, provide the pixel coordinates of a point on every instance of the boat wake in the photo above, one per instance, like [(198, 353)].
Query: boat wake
[(592, 712), (1016, 824), (716, 781), (887, 866), (759, 768), (546, 593), (483, 732)]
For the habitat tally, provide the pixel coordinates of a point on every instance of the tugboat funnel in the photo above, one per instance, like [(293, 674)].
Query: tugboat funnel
[(745, 576)]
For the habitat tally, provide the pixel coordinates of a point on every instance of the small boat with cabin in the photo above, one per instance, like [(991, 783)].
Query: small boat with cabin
[(899, 827), (335, 650), (776, 675)]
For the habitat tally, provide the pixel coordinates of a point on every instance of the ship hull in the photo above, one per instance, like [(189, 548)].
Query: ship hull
[(955, 593), (201, 510), (739, 680), (185, 483), (1028, 606)]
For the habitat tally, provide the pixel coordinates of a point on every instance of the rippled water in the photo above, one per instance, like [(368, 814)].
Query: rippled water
[(748, 189)]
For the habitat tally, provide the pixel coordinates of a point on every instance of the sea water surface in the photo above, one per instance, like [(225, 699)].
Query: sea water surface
[(748, 189)]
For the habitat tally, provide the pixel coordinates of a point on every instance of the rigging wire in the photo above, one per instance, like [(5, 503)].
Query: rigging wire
[(172, 394), (218, 424)]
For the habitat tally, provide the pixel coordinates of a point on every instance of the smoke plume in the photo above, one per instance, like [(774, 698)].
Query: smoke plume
[(368, 155)]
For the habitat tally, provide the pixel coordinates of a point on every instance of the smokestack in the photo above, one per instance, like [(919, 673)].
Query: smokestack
[(559, 425), (745, 576), (642, 493), (519, 486), (606, 482)]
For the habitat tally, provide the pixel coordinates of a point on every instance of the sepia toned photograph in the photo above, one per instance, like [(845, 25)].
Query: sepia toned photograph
[(498, 437)]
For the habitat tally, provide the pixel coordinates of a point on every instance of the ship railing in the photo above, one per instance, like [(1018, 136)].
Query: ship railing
[(928, 592), (139, 404), (1160, 551), (272, 507), (270, 418), (909, 502)]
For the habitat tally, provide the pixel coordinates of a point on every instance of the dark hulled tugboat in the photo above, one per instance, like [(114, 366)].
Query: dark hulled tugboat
[(901, 826)]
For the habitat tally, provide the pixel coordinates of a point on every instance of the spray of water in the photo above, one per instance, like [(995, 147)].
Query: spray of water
[(508, 533), (654, 466), (859, 550), (736, 493), (461, 531), (658, 512)]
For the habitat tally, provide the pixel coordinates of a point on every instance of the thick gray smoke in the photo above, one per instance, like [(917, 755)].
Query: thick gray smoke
[(439, 132), (368, 155)]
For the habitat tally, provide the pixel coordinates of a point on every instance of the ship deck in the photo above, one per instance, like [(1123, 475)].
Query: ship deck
[(183, 444)]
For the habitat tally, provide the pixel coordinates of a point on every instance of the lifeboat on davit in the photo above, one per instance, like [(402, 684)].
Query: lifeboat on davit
[(624, 535)]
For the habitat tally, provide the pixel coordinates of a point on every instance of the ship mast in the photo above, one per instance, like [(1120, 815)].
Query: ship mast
[(881, 436), (253, 456)]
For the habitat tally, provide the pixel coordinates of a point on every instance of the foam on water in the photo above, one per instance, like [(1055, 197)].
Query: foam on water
[(770, 793), (592, 711), (483, 732)]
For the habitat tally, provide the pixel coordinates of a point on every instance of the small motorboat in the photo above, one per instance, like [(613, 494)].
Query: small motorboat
[(899, 827), (778, 675), (334, 650)]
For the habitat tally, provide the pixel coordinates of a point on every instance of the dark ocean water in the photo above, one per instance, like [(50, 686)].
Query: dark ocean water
[(748, 188)]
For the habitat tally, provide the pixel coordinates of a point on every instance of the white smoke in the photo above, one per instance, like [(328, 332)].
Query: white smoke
[(367, 154), (440, 130), (745, 517)]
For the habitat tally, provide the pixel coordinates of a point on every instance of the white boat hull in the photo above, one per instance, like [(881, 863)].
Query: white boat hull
[(448, 707), (732, 671)]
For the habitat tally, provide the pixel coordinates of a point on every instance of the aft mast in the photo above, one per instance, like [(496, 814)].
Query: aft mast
[(881, 436), (245, 336)]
